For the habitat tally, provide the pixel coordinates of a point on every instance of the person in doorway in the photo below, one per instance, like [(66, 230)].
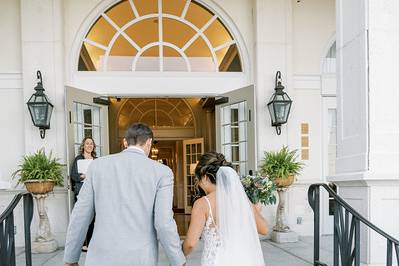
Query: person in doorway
[(132, 197), (225, 218), (87, 150)]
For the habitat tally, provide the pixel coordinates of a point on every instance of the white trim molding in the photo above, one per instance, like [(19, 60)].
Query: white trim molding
[(10, 80), (307, 82)]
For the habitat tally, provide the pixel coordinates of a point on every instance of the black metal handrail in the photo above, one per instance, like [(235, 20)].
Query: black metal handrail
[(346, 231), (7, 234)]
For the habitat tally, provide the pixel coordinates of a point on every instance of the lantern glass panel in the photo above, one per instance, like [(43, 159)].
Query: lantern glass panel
[(271, 111), (48, 114), (40, 99), (279, 97), (38, 113), (280, 110)]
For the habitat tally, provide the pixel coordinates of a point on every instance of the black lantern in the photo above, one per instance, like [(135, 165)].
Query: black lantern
[(40, 108), (279, 105)]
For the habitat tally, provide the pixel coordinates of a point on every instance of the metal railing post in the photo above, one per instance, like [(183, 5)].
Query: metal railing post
[(316, 254), (28, 215)]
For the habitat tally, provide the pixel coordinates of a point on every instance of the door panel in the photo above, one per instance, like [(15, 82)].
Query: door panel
[(235, 129), (192, 151), (84, 118)]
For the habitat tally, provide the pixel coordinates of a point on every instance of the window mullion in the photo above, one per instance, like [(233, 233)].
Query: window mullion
[(134, 9), (183, 14), (160, 33)]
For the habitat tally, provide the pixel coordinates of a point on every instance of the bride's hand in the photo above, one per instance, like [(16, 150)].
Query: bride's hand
[(258, 207)]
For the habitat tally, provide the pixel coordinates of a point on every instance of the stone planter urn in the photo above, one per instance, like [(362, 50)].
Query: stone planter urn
[(44, 241), (281, 231)]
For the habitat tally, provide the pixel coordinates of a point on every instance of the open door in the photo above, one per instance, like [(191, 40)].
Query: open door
[(235, 129), (87, 115), (192, 151)]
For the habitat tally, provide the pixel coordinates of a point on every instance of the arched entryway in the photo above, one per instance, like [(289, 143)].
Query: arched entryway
[(162, 62)]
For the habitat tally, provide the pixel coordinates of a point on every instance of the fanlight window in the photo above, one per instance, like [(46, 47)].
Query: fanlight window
[(157, 113), (159, 35)]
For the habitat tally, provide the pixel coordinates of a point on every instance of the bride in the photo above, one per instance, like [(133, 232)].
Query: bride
[(228, 223)]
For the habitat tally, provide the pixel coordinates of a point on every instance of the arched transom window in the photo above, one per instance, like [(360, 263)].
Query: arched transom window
[(159, 35), (157, 113)]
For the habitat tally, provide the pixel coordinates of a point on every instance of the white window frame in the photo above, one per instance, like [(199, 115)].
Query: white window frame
[(140, 50)]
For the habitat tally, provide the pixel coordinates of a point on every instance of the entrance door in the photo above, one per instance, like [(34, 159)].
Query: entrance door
[(235, 129), (87, 115), (329, 157), (192, 151)]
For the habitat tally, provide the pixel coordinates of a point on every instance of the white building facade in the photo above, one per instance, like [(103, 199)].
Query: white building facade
[(336, 59)]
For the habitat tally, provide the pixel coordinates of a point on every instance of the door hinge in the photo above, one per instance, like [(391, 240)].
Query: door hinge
[(70, 117), (249, 115)]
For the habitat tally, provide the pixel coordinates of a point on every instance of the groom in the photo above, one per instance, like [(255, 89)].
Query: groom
[(131, 196)]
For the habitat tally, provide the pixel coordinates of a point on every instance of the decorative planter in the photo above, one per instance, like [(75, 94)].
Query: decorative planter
[(44, 241), (281, 231), (284, 182), (39, 187)]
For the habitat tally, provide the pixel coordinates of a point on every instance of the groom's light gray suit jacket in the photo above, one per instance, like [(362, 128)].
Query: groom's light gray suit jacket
[(131, 196)]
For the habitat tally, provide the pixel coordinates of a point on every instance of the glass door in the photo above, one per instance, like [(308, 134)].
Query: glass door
[(235, 129), (192, 151), (84, 118)]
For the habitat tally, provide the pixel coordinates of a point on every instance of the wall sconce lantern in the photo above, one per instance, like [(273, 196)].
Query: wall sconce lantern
[(40, 108), (279, 105)]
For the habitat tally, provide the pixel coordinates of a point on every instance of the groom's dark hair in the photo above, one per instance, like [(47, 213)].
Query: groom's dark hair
[(138, 134)]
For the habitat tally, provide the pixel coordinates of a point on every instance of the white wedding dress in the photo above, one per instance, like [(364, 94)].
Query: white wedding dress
[(234, 241)]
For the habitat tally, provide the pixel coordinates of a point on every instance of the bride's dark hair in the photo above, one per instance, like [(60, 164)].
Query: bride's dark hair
[(209, 165)]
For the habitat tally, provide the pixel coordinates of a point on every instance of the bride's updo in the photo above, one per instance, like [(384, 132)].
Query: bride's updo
[(209, 164)]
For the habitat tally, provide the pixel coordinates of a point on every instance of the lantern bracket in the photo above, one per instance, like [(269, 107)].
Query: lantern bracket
[(39, 77), (278, 130), (42, 132), (278, 79)]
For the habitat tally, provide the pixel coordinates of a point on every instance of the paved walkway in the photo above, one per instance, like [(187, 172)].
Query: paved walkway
[(295, 254)]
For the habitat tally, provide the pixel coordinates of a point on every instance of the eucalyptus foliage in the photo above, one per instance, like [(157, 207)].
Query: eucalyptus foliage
[(280, 164), (259, 189), (40, 167)]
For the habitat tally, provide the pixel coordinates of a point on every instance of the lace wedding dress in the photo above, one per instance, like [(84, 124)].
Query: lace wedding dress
[(234, 241), (211, 239)]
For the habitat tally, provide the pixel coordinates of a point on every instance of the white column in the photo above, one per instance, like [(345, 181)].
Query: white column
[(368, 127), (42, 49), (273, 46)]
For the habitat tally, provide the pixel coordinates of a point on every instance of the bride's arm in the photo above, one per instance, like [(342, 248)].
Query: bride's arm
[(197, 224), (261, 224)]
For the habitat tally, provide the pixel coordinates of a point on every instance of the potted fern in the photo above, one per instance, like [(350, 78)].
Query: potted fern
[(281, 166), (39, 172)]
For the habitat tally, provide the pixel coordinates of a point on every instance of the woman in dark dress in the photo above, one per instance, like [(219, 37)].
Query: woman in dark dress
[(87, 150)]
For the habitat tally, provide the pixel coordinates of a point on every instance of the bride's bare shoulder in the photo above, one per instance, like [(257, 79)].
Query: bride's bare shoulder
[(200, 204)]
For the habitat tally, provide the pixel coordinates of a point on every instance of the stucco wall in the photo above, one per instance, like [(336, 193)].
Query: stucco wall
[(11, 95), (313, 26), (10, 30)]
